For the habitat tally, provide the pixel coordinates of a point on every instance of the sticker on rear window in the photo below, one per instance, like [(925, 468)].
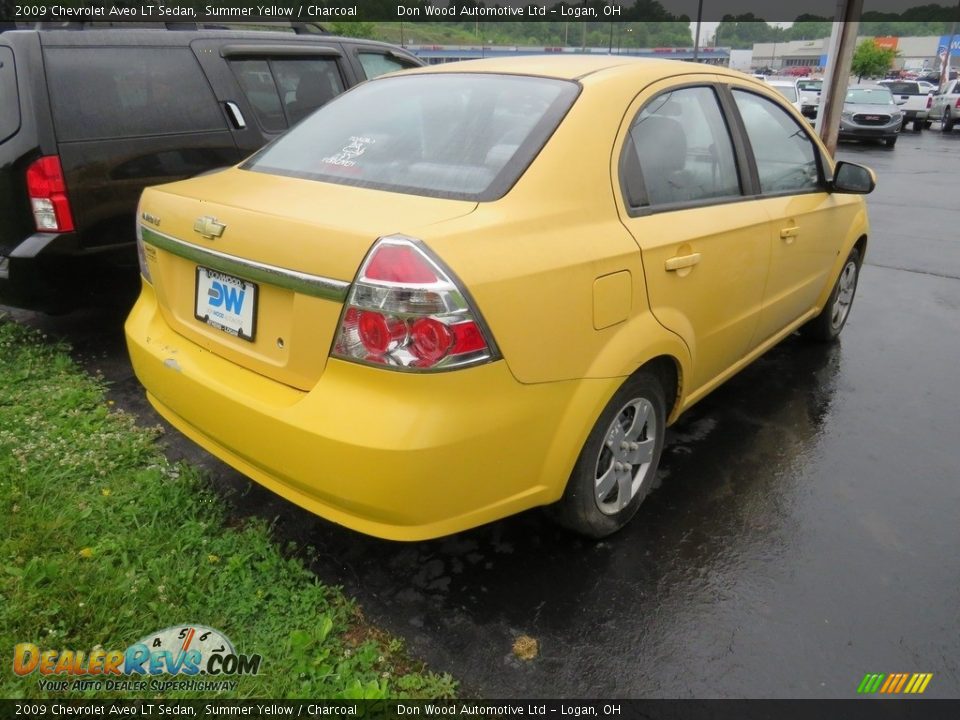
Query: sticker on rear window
[(347, 157)]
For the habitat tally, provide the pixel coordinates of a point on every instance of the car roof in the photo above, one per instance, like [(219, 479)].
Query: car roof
[(575, 66), (162, 36)]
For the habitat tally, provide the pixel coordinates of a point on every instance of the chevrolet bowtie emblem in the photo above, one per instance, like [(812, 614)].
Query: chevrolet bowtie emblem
[(209, 227)]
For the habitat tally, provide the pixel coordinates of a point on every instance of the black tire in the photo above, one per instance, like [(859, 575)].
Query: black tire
[(826, 326), (946, 121), (637, 408), (917, 125), (890, 141), (927, 124)]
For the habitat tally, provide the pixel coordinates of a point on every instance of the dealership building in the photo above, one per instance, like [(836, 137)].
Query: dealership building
[(913, 53)]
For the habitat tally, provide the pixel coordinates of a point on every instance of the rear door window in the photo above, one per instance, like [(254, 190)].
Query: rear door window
[(284, 91), (682, 149), (119, 92), (376, 64), (9, 98)]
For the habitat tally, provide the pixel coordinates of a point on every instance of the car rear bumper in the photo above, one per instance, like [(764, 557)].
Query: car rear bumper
[(396, 455)]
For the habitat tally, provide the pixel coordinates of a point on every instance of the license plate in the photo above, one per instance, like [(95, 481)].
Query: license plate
[(227, 303)]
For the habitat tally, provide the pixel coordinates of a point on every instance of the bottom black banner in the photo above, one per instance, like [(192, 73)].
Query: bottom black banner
[(865, 709)]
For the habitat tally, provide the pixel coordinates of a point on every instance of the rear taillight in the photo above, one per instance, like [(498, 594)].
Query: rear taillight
[(958, 104), (929, 101), (405, 311), (47, 191)]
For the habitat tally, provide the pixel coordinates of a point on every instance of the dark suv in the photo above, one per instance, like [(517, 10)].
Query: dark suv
[(90, 117)]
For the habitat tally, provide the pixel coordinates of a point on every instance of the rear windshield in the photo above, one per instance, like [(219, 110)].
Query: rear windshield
[(903, 88), (9, 99), (811, 85), (465, 136)]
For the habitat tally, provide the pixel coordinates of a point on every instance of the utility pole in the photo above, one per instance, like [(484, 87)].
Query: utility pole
[(696, 41), (842, 44), (945, 65)]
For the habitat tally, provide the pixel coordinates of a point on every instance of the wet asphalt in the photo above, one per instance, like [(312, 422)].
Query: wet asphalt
[(805, 531)]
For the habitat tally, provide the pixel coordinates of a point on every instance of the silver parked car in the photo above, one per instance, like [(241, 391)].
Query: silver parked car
[(870, 112)]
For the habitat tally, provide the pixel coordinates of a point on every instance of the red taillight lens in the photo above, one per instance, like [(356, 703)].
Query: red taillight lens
[(958, 103), (406, 312), (47, 191), (929, 101), (431, 339), (400, 264)]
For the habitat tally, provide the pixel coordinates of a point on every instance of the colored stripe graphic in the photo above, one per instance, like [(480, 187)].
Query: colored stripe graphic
[(894, 683), (870, 683)]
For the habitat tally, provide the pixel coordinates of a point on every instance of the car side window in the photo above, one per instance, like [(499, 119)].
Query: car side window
[(680, 146), (258, 85), (283, 92), (376, 64), (786, 156), (120, 92)]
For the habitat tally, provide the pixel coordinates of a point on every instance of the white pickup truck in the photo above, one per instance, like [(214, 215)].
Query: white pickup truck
[(946, 105), (913, 101)]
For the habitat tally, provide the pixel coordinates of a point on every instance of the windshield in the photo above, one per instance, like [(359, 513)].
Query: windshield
[(789, 91), (869, 96), (811, 85), (465, 136)]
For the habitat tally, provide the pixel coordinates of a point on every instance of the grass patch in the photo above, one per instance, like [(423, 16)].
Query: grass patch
[(104, 541)]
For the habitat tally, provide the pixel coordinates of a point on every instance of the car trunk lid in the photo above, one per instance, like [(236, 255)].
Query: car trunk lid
[(271, 259)]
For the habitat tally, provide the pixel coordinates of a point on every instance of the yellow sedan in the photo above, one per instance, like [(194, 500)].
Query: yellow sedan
[(460, 292)]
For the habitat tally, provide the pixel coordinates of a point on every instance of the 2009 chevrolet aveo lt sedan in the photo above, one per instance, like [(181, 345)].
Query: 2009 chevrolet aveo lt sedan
[(460, 292)]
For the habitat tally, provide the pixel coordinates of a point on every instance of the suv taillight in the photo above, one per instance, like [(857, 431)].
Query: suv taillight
[(929, 101), (405, 311), (47, 191), (958, 104)]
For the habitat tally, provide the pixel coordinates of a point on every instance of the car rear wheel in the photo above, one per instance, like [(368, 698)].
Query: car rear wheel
[(826, 326), (946, 122), (618, 464)]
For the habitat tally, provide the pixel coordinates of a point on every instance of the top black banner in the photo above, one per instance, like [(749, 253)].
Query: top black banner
[(15, 13)]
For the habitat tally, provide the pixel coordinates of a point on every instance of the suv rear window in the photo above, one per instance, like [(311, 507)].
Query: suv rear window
[(466, 136), (100, 93), (9, 98), (903, 88)]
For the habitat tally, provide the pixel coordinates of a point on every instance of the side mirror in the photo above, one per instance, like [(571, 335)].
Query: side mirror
[(849, 177)]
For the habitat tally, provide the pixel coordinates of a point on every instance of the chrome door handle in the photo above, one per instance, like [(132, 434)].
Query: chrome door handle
[(682, 261)]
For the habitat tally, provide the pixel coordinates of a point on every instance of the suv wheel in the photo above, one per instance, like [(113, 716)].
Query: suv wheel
[(946, 122)]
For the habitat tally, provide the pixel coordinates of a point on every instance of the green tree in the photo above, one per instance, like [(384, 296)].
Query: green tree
[(872, 60), (352, 29)]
